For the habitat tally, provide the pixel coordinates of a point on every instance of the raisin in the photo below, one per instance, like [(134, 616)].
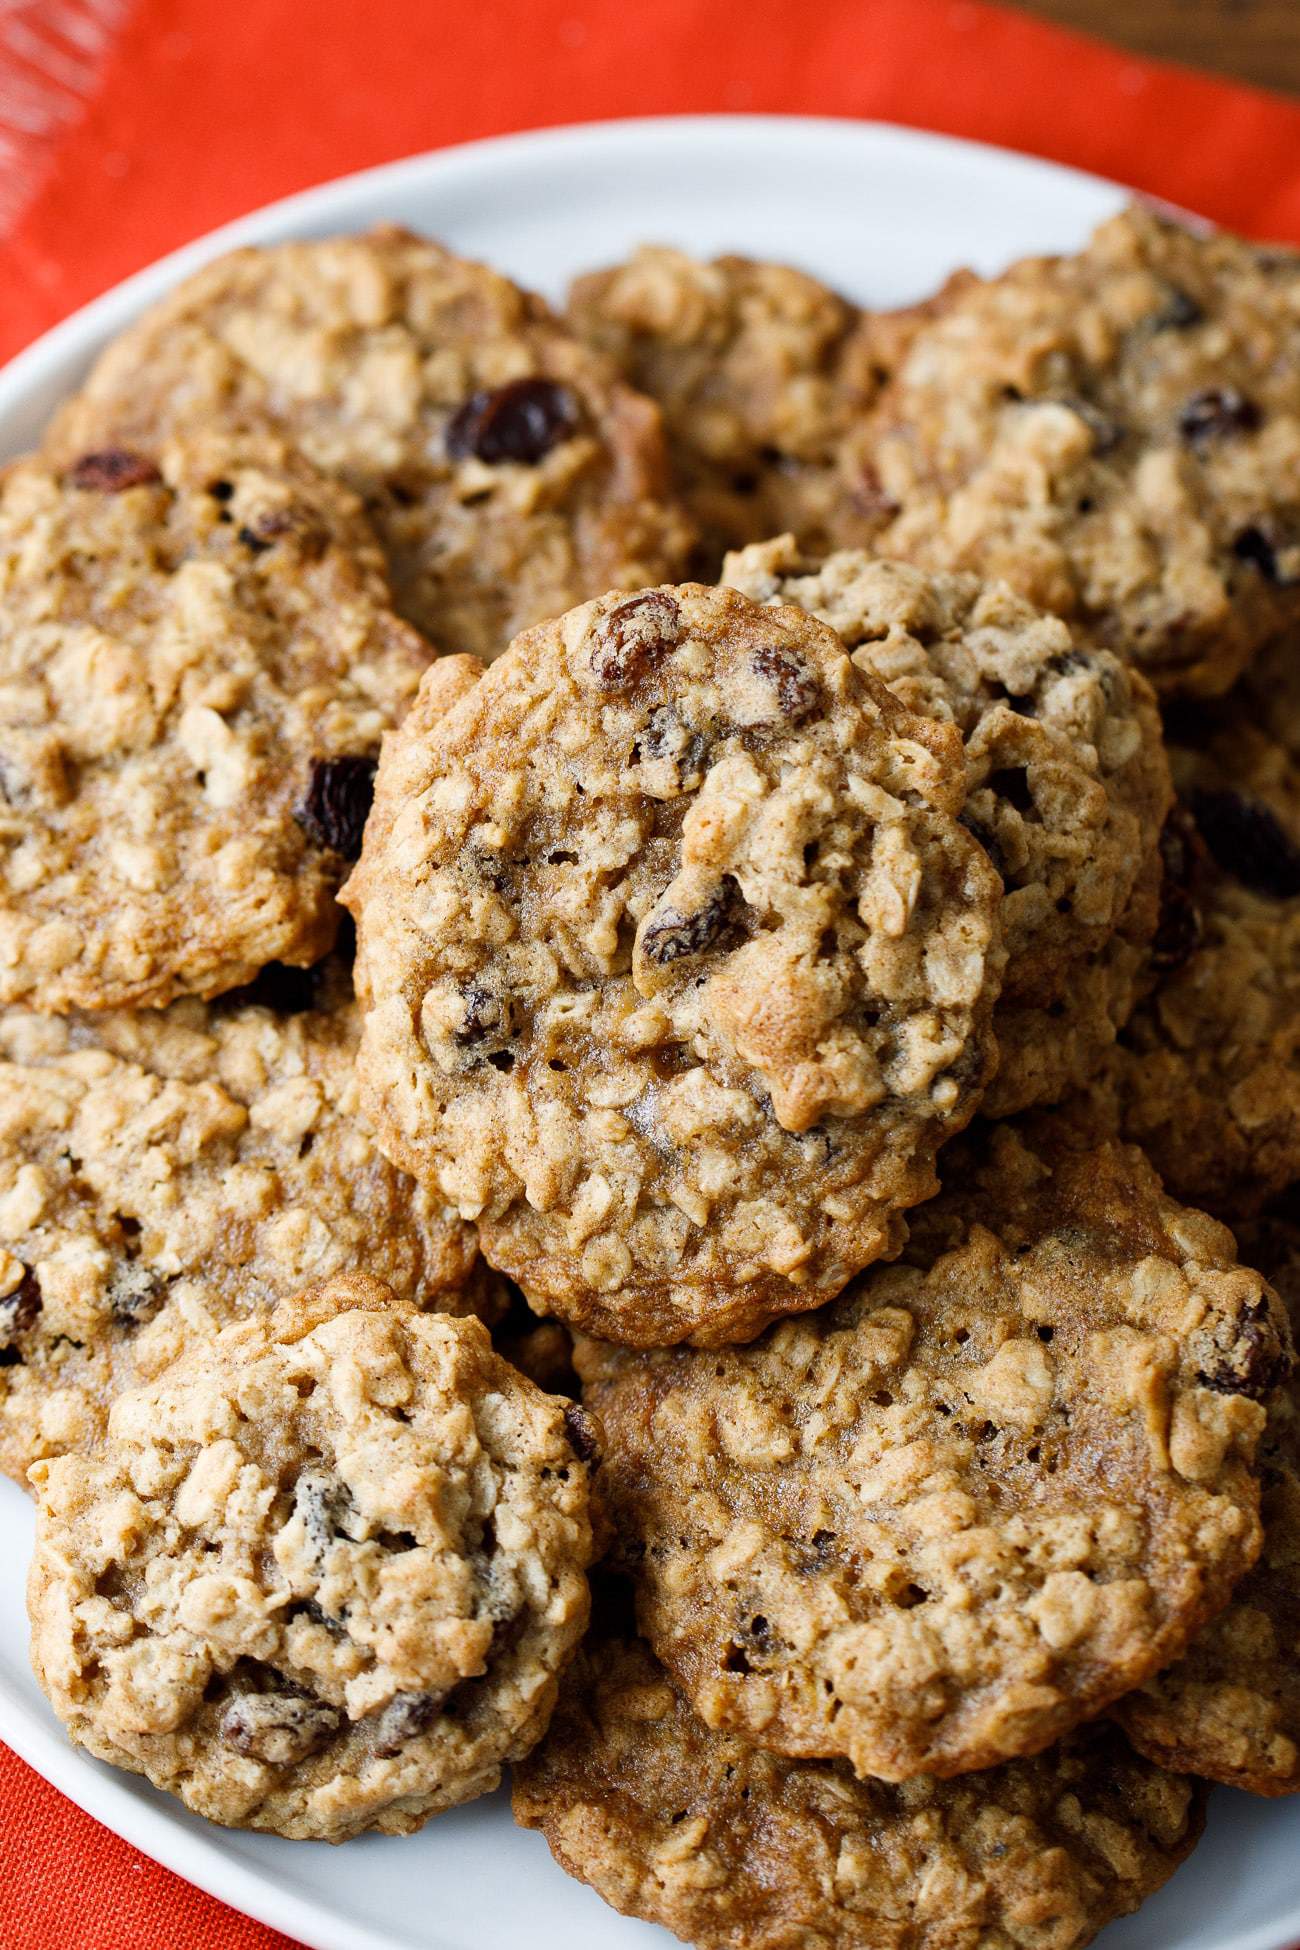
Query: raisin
[(20, 1310), (1217, 414), (798, 692), (338, 802), (519, 422), (581, 1431), (135, 1294), (1068, 662), (317, 1615), (1178, 313), (672, 936), (988, 840), (284, 524), (112, 471), (1256, 546), (487, 1017), (871, 497), (324, 1506), (666, 737), (1180, 924), (636, 636), (506, 1634), (1254, 1362), (815, 1556), (406, 1716), (278, 1727), (1245, 840)]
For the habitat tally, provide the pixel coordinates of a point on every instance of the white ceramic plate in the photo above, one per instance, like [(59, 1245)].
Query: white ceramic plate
[(884, 214)]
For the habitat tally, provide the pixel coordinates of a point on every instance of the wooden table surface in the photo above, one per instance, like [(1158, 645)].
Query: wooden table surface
[(1255, 40)]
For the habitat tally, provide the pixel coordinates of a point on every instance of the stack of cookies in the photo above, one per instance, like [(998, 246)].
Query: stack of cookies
[(654, 954)]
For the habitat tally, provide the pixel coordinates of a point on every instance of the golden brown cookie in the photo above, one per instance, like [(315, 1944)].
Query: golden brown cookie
[(198, 659), (508, 471), (974, 1501), (1206, 1077), (1050, 1048), (725, 1844), (324, 1574), (1230, 1709), (163, 1172), (677, 963), (763, 376), (1116, 433)]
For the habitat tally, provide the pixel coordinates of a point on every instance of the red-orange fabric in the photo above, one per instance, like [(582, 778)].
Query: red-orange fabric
[(206, 111), (71, 1885)]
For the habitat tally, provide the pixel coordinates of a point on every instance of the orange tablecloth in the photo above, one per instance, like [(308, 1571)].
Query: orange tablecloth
[(127, 130)]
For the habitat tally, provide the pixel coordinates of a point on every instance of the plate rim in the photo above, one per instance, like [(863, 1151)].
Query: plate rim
[(125, 1805), (91, 323)]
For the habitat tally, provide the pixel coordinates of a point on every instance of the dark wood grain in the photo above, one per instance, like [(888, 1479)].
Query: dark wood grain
[(1255, 40)]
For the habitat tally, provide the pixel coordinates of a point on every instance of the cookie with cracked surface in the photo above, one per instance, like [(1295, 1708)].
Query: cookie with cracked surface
[(324, 1574), (1206, 1077), (199, 658), (1067, 780), (1230, 1709), (763, 375), (725, 1844), (975, 1500), (1116, 433), (508, 471), (677, 964), (163, 1172)]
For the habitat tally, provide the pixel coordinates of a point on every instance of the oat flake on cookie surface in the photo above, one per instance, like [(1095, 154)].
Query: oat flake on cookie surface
[(1117, 433), (974, 1501), (165, 1171), (324, 1574), (676, 961), (507, 468), (728, 1845), (198, 657)]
